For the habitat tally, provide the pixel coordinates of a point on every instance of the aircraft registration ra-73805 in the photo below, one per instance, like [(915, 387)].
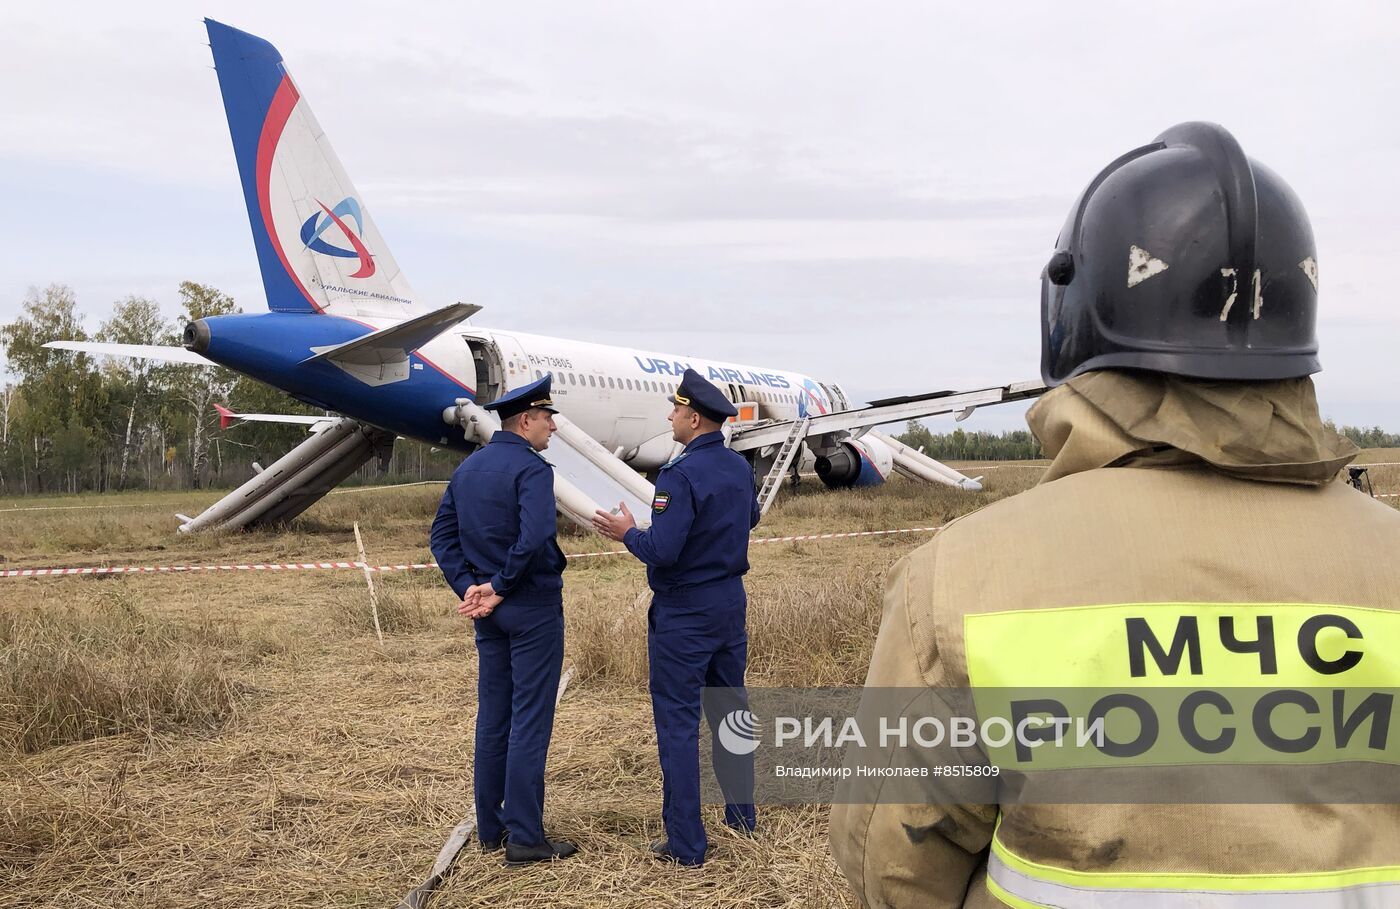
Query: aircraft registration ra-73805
[(346, 333)]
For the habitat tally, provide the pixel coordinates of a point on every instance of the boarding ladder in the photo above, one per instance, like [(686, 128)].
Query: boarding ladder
[(786, 453)]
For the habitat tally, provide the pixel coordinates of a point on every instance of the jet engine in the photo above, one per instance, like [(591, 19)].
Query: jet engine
[(855, 462)]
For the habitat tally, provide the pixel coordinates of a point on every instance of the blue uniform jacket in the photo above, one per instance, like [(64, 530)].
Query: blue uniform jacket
[(497, 522), (701, 516)]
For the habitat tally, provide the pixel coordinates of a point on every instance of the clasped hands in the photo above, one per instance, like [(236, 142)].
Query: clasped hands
[(479, 601)]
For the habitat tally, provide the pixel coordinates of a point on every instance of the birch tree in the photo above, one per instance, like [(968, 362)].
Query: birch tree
[(134, 320), (205, 384)]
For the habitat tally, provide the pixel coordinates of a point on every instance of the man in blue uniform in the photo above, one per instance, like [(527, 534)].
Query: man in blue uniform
[(696, 553), (494, 539)]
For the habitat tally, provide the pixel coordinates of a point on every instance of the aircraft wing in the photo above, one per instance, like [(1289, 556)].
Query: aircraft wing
[(135, 351), (295, 481), (597, 473), (887, 410), (587, 477)]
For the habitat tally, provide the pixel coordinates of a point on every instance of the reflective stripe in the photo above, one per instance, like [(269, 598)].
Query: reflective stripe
[(1088, 646), (1029, 886)]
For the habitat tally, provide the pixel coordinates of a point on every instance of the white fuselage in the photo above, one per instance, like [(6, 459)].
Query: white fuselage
[(618, 394)]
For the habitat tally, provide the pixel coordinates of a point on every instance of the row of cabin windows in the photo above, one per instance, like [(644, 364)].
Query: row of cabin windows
[(608, 382), (652, 385)]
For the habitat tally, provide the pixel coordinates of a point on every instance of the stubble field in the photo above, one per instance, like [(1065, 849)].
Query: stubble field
[(239, 739)]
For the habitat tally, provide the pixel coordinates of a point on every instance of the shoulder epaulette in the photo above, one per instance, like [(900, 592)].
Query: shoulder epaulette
[(676, 460)]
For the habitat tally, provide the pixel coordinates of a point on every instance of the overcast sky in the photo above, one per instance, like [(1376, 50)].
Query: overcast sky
[(866, 192)]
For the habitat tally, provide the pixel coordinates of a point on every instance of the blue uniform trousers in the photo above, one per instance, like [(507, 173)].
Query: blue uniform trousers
[(520, 651), (692, 645)]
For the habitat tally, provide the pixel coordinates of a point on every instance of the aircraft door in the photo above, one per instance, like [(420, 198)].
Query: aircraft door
[(489, 373), (837, 400), (515, 361), (737, 393)]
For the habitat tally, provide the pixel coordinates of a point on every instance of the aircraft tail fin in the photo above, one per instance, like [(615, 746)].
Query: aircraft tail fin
[(318, 247)]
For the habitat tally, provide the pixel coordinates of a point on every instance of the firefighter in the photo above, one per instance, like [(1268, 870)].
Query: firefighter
[(1192, 493)]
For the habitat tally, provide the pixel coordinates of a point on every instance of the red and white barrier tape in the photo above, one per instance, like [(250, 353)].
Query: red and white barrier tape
[(333, 492), (182, 569), (83, 507), (349, 489), (838, 536), (417, 566)]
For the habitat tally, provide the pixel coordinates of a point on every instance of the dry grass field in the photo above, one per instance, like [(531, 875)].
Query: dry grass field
[(239, 739)]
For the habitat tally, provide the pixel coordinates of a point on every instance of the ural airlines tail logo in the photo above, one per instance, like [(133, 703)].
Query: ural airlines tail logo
[(317, 224)]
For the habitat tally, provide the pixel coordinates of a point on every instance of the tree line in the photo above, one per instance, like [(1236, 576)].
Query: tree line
[(1375, 437), (71, 422), (960, 445), (1020, 445)]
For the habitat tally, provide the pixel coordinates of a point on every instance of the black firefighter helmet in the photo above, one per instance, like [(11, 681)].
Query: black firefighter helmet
[(1185, 257)]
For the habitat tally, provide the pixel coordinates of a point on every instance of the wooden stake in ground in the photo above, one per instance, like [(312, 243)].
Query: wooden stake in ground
[(369, 582), (418, 897)]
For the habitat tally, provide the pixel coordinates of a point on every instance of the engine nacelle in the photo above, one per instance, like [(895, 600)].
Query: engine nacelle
[(856, 462)]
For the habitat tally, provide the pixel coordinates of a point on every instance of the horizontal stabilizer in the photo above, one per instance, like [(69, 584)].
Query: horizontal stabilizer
[(228, 418), (134, 351), (381, 357)]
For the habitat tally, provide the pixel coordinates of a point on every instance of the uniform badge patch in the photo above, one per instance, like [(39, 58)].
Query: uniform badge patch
[(659, 503)]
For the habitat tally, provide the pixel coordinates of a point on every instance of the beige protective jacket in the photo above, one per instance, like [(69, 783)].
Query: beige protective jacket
[(1178, 495)]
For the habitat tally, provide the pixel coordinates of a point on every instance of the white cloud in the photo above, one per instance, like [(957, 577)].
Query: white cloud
[(836, 188)]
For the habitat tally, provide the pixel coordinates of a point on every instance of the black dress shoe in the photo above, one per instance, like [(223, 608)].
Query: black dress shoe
[(517, 854), (661, 851), (495, 845)]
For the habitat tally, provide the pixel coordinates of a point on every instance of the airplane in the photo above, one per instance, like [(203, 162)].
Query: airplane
[(345, 333)]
